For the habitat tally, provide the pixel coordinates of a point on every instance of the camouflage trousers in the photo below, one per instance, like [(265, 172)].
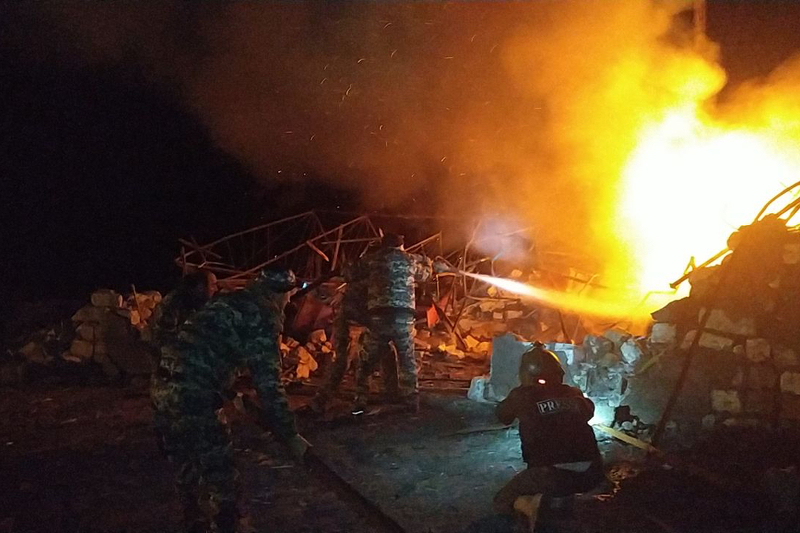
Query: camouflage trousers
[(347, 337), (391, 331), (199, 447)]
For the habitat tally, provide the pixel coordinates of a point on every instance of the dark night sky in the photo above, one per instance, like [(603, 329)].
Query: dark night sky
[(103, 165)]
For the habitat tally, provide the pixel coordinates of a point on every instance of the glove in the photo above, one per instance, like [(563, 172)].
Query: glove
[(298, 446)]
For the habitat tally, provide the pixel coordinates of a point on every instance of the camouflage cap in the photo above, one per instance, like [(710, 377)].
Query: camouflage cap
[(276, 280)]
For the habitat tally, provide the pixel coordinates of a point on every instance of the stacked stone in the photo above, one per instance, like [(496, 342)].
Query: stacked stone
[(745, 370), (104, 336)]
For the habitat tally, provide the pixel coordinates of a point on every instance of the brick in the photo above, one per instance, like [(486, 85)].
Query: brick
[(757, 350), (106, 298), (708, 340), (790, 382), (90, 313), (663, 333), (720, 321), (726, 401)]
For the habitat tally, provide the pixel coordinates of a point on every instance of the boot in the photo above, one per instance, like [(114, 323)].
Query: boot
[(360, 404)]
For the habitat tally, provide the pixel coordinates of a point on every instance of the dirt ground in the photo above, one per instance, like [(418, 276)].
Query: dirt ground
[(84, 460)]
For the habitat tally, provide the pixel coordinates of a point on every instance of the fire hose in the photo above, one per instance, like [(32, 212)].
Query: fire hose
[(380, 521)]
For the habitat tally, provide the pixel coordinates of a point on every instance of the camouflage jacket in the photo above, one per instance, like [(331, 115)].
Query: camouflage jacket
[(353, 300), (232, 331), (170, 314), (392, 277)]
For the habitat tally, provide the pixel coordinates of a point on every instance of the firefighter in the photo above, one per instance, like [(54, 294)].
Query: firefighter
[(392, 275), (234, 330), (349, 321), (558, 444)]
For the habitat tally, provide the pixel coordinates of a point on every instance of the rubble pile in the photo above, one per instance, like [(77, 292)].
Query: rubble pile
[(140, 306), (602, 367), (745, 369), (302, 360), (104, 336)]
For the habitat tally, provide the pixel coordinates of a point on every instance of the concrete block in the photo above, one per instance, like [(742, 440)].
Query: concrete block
[(783, 356), (719, 321), (708, 340), (90, 313), (663, 333), (568, 354), (511, 314), (597, 347), (477, 389), (86, 350), (88, 331), (790, 382), (106, 298), (506, 355), (726, 401), (318, 336), (617, 337), (757, 350), (631, 352)]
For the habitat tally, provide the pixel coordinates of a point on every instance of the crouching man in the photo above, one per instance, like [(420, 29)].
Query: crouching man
[(557, 442), (229, 332)]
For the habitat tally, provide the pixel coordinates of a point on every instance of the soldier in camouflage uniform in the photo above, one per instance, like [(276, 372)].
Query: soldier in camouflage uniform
[(350, 313), (234, 330), (193, 291), (391, 303)]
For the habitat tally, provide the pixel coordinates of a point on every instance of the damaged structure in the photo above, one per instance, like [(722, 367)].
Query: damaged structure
[(672, 384)]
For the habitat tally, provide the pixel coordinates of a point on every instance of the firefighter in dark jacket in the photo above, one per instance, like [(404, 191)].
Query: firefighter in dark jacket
[(558, 444)]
